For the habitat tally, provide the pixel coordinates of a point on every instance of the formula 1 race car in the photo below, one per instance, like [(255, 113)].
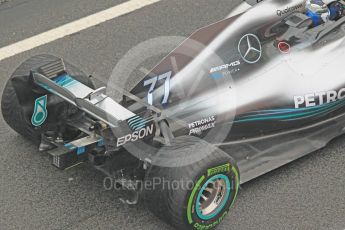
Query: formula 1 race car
[(229, 104)]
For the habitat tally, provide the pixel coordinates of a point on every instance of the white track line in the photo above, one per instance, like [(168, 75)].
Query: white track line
[(73, 27)]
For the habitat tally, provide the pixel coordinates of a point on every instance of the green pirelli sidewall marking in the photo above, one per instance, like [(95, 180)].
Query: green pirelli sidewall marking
[(234, 170), (220, 169), (190, 202)]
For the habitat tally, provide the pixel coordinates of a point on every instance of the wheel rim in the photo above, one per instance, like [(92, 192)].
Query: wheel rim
[(212, 197)]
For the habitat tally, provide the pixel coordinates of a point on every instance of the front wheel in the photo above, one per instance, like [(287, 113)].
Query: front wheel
[(196, 196)]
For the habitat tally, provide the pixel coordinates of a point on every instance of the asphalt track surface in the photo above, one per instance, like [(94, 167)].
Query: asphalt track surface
[(306, 194)]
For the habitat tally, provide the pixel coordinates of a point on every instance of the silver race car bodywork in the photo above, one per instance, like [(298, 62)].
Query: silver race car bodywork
[(264, 85), (235, 100), (262, 103)]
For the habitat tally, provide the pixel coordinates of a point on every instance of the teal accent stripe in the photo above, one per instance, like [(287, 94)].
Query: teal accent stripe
[(139, 127), (137, 122), (134, 122), (70, 146), (133, 118), (81, 150), (292, 114), (100, 143), (66, 81)]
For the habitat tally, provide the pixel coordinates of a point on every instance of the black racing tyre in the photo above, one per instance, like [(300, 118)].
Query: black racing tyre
[(195, 196), (11, 109)]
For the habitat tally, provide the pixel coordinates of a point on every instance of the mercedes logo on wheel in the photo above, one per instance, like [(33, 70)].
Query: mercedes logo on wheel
[(250, 48)]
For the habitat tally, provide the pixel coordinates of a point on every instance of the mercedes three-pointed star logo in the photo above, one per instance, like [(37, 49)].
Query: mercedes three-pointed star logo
[(250, 48)]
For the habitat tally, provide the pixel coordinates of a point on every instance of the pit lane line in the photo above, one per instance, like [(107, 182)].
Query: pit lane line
[(73, 27)]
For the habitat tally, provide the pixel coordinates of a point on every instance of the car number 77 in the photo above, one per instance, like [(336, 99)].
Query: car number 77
[(153, 81)]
